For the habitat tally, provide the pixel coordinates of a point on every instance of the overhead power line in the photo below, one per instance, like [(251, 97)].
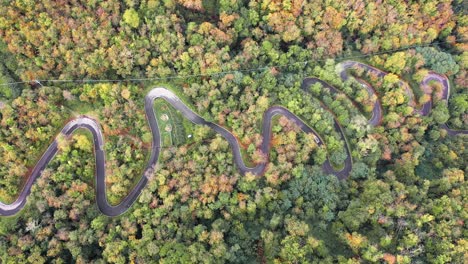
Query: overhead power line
[(462, 40)]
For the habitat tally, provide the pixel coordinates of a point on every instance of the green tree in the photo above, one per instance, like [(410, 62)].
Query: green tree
[(131, 18)]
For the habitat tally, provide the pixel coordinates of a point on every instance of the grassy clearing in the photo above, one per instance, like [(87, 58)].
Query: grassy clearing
[(181, 126), (161, 110), (78, 107), (8, 223)]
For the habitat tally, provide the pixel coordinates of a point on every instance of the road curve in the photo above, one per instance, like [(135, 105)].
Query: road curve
[(98, 139), (424, 110), (348, 162), (377, 113)]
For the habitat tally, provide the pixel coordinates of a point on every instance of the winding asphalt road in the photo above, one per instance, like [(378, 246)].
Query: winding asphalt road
[(100, 172), (424, 110), (170, 97), (377, 113), (432, 76), (348, 162)]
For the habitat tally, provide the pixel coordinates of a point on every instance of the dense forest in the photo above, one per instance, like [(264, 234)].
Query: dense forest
[(405, 200)]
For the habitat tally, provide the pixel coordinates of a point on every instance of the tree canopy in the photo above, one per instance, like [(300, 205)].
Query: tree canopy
[(229, 61)]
